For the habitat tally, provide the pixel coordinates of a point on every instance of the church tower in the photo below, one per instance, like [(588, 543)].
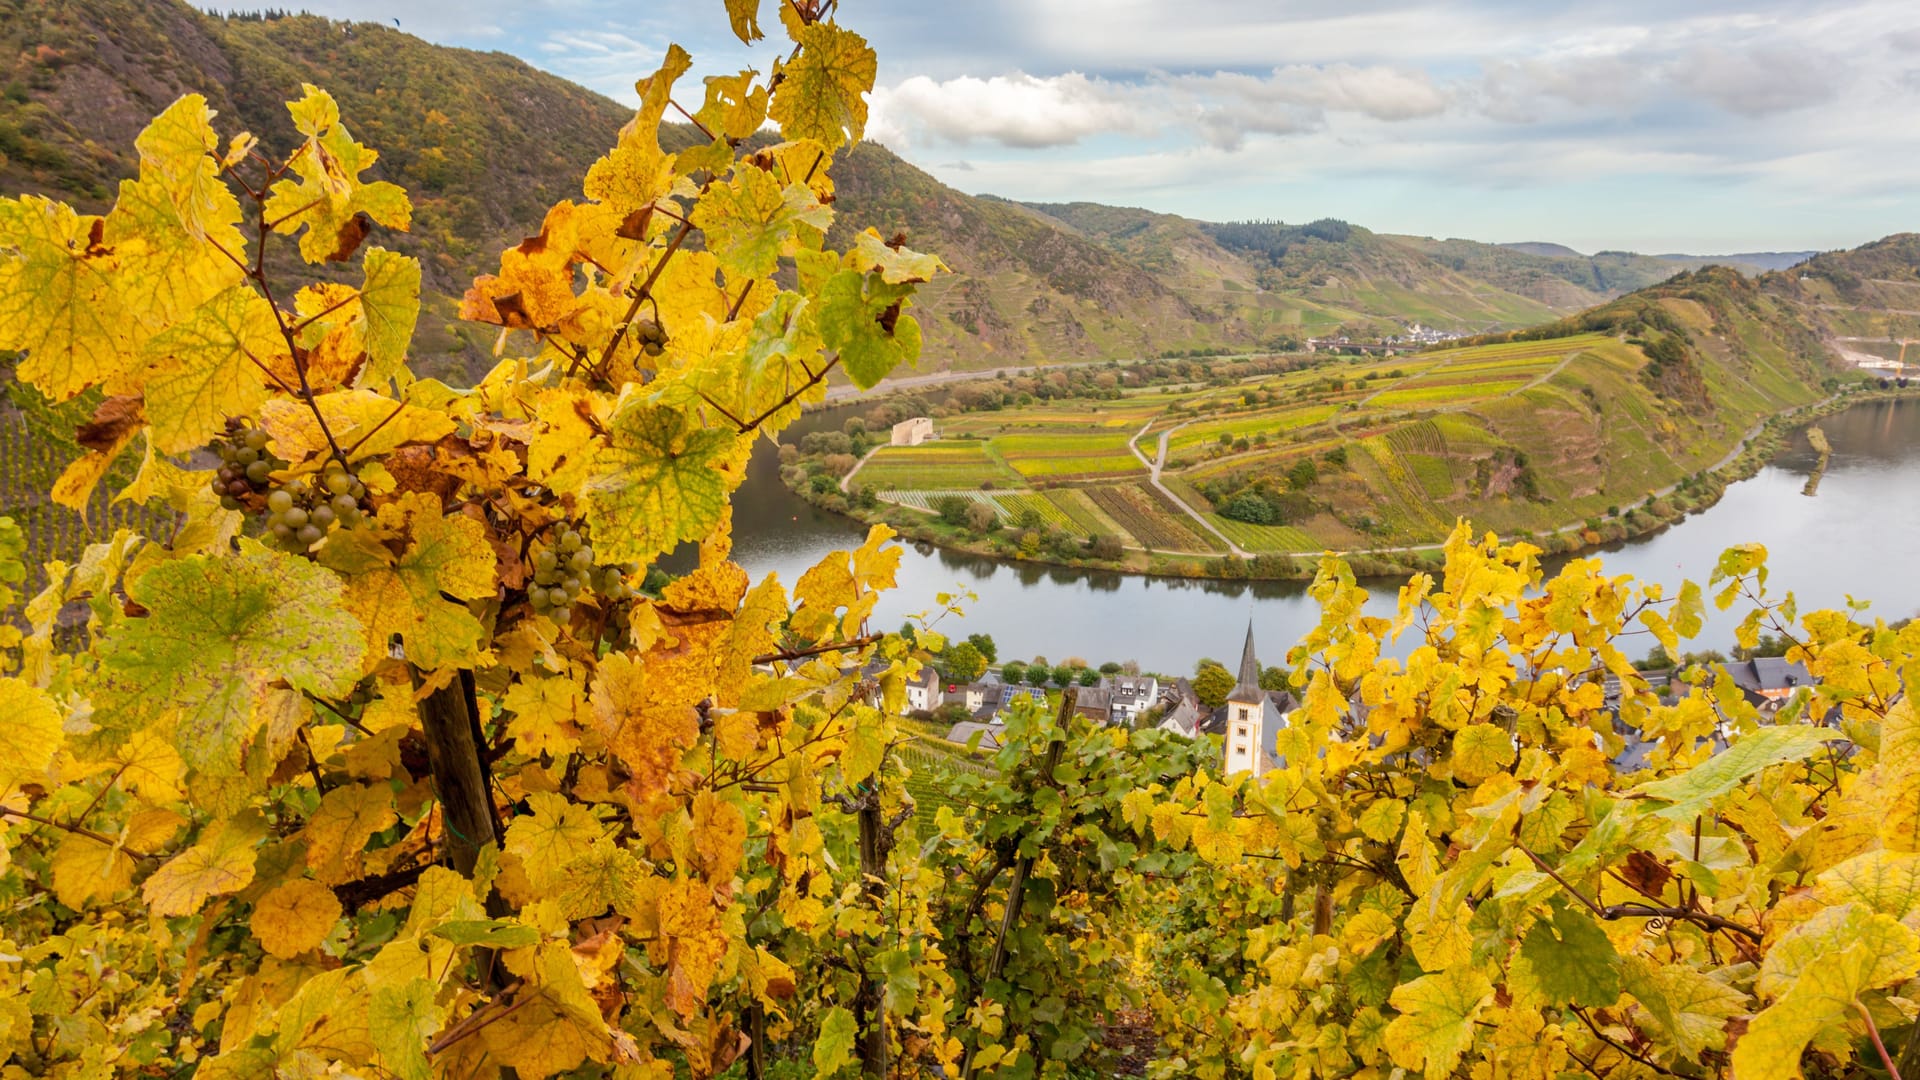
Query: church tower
[(1247, 739)]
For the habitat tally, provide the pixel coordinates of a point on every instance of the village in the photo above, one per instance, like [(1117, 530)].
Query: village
[(1250, 718)]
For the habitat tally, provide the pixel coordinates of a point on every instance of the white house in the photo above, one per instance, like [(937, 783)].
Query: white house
[(912, 432), (1132, 695), (923, 691)]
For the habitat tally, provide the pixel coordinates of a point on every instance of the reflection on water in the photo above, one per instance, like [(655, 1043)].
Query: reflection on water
[(1859, 536)]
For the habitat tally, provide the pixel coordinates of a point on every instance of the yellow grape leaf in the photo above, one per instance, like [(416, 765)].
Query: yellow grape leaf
[(745, 17), (719, 836), (329, 198), (1821, 995), (220, 630), (1479, 751), (822, 94), (735, 108), (33, 733), (750, 634), (648, 737), (446, 554), (209, 367), (749, 221), (170, 226), (294, 917), (558, 1027), (59, 301), (402, 1022), (547, 714), (658, 482), (696, 942), (897, 265), (553, 835), (1893, 949), (221, 863), (1684, 1005), (1887, 882), (353, 416), (390, 306), (84, 870), (603, 876), (337, 831), (1436, 1025), (636, 173)]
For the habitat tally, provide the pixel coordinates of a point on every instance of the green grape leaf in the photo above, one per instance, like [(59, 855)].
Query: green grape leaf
[(402, 1022), (1689, 792), (861, 316), (657, 483), (896, 265), (219, 630), (1573, 960), (833, 1050), (822, 94), (491, 933)]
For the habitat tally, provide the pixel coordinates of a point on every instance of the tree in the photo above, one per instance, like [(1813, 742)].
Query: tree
[(1087, 677), (952, 509), (1062, 675), (984, 643), (1013, 671), (1273, 678), (964, 663), (1212, 685), (981, 517)]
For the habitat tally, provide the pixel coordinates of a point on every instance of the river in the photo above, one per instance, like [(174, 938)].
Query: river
[(1859, 536)]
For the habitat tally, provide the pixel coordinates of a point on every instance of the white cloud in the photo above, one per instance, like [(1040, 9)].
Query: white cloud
[(1012, 110)]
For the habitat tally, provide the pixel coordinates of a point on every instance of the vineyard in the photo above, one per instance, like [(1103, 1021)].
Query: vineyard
[(944, 464), (1149, 519)]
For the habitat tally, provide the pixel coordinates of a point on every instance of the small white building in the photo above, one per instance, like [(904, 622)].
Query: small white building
[(912, 432)]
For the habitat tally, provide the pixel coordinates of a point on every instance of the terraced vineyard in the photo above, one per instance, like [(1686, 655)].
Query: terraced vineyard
[(1520, 436), (929, 501), (1150, 520)]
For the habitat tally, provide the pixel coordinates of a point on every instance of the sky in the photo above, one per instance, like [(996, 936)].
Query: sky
[(1693, 126)]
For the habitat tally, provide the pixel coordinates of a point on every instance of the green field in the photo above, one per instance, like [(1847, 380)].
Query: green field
[(1068, 453), (934, 465)]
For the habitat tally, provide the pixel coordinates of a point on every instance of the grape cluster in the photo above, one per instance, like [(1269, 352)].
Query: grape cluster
[(564, 571), (246, 466), (299, 514), (651, 336)]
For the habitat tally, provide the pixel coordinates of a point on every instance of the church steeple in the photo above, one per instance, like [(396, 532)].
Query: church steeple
[(1247, 690)]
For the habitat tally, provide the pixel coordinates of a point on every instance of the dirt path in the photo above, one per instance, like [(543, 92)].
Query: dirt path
[(864, 458), (1153, 477)]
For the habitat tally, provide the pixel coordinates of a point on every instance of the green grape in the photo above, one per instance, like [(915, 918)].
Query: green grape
[(295, 517), (228, 502), (258, 472), (255, 439), (342, 504), (562, 613), (309, 535), (339, 483), (246, 455), (570, 541), (570, 583), (282, 532), (544, 561), (359, 490), (322, 516), (537, 596), (280, 502)]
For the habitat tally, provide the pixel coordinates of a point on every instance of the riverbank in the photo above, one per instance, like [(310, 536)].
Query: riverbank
[(1033, 543)]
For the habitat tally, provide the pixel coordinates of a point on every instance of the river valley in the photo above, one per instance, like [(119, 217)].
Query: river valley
[(1858, 536)]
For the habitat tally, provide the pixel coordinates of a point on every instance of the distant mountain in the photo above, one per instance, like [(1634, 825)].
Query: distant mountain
[(1752, 262), (1550, 251)]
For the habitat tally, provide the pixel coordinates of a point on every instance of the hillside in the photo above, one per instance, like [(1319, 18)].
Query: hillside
[(1587, 428)]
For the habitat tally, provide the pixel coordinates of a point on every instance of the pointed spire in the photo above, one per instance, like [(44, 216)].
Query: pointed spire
[(1248, 688)]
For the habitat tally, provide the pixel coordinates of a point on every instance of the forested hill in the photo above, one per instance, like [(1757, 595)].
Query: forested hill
[(484, 143)]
